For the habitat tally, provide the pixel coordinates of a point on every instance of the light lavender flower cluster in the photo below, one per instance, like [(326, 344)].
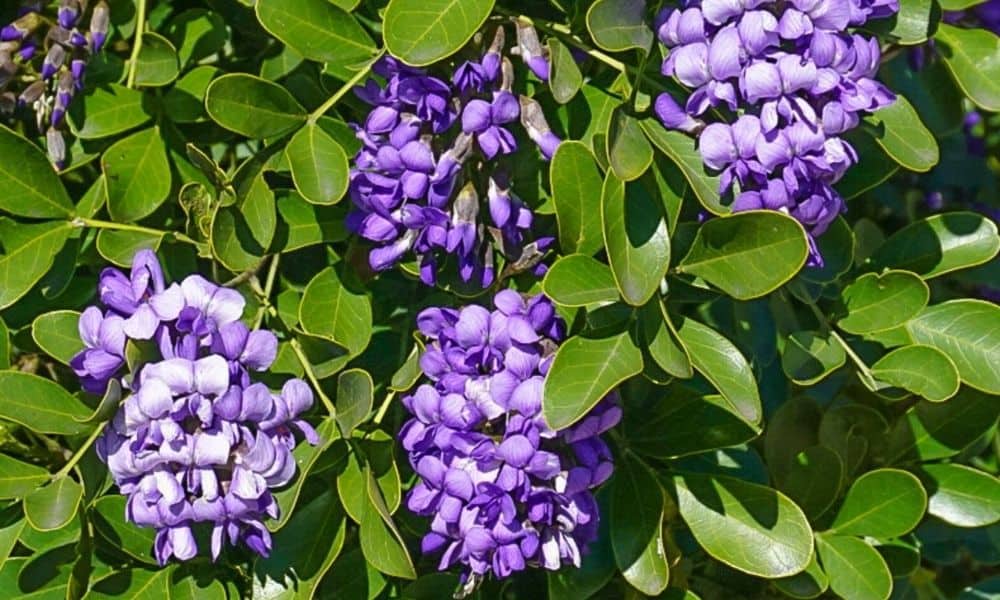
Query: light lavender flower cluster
[(64, 48), (196, 440), (504, 491), (413, 182), (791, 78)]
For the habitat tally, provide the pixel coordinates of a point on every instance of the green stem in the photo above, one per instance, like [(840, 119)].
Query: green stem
[(864, 372), (272, 274), (384, 408), (98, 224), (79, 453), (566, 35), (140, 25), (297, 348), (344, 89)]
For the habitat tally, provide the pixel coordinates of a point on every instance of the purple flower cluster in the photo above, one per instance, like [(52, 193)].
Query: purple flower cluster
[(196, 440), (424, 139), (64, 49), (503, 489), (985, 15), (793, 79)]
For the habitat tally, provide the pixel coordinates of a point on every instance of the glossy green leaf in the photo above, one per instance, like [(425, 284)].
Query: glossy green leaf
[(373, 453), (57, 334), (332, 311), (565, 78), (110, 523), (883, 503), (636, 237), (806, 585), (18, 478), (31, 186), (256, 203), (301, 224), (636, 511), (4, 345), (650, 573), (724, 366), (318, 164), (421, 32), (618, 25), (734, 520), (940, 244), (709, 423), (876, 302), (629, 152), (118, 247), (968, 332), (40, 404), (680, 149), (856, 570), (233, 243), (28, 252), (913, 23), (576, 192), (930, 431), (661, 341), (158, 64), (583, 372), (813, 480), (135, 584), (184, 101), (747, 255), (904, 137), (381, 541), (355, 399), (306, 457), (973, 57), (138, 175), (252, 106), (921, 370), (809, 357), (579, 280), (53, 506), (316, 29), (108, 110), (961, 495)]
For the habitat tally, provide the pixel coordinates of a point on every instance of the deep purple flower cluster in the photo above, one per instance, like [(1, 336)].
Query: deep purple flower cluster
[(196, 440), (503, 489), (793, 78), (63, 48), (410, 183), (985, 15)]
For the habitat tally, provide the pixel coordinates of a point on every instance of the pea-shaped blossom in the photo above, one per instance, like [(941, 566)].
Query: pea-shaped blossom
[(795, 76), (51, 53), (195, 440), (418, 181), (504, 491)]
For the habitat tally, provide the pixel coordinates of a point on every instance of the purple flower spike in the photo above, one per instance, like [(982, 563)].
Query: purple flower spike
[(195, 443), (504, 491)]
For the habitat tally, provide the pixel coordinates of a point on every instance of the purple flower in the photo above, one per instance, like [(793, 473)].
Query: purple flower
[(504, 491), (195, 440)]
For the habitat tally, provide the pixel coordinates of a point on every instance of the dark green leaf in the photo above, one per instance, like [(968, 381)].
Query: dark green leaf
[(876, 302), (40, 404), (628, 149), (921, 370), (636, 237), (421, 32), (110, 523), (576, 192), (806, 585), (968, 332), (940, 244), (233, 243), (661, 341), (332, 311), (680, 149), (137, 173), (4, 346), (135, 584), (108, 110), (307, 224), (813, 480), (381, 541), (636, 511), (252, 106), (709, 423), (808, 357), (306, 457), (355, 398), (930, 431), (883, 503), (565, 78)]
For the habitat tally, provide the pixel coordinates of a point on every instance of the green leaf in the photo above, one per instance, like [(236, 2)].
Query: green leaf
[(409, 372), (940, 244), (306, 456), (109, 520), (747, 255), (18, 479), (318, 164), (355, 399), (734, 520), (137, 173), (597, 567), (931, 431), (373, 453), (876, 302), (806, 585), (709, 423), (135, 584), (650, 573), (108, 110), (118, 247), (883, 503), (973, 57), (583, 372), (629, 152), (40, 404), (53, 506), (904, 136), (352, 578), (931, 90), (968, 332), (725, 367), (253, 107), (256, 204), (57, 334), (331, 311), (301, 224), (661, 341), (961, 495), (197, 34), (31, 186), (29, 251), (421, 32), (680, 149), (4, 346), (856, 570), (579, 280), (316, 29), (618, 25), (808, 357), (636, 512), (565, 79), (381, 541), (921, 370), (576, 192), (636, 237), (911, 25), (158, 64), (813, 480), (233, 243)]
